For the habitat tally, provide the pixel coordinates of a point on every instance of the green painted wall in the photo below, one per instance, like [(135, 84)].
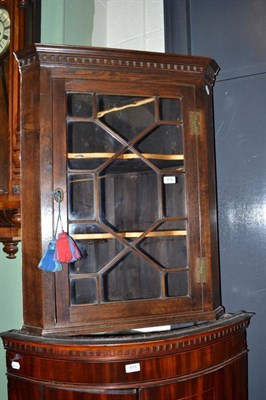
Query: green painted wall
[(67, 21), (10, 305), (63, 22)]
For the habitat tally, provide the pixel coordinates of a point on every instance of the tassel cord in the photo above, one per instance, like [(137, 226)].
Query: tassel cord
[(58, 197), (59, 220)]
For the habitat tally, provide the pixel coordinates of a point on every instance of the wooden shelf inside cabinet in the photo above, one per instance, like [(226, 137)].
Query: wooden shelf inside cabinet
[(127, 156), (90, 161), (94, 236)]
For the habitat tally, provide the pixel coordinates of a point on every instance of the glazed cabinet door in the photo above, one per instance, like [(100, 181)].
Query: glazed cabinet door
[(126, 159)]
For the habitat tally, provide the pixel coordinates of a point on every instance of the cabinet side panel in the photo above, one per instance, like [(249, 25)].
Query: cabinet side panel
[(35, 161), (208, 205), (30, 203), (211, 174)]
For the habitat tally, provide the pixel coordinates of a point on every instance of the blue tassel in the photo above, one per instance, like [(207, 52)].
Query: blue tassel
[(48, 263)]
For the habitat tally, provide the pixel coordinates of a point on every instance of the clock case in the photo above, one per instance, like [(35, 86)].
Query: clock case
[(24, 30), (127, 138)]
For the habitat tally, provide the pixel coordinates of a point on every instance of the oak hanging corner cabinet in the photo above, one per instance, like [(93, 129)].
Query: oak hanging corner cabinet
[(127, 137)]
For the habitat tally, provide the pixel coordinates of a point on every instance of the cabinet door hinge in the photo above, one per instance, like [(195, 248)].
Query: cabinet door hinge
[(195, 122), (201, 270)]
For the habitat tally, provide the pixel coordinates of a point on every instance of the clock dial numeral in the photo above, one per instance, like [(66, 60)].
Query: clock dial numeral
[(4, 30)]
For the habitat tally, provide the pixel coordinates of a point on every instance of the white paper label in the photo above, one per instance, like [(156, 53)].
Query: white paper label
[(169, 179), (15, 365), (154, 329), (132, 368)]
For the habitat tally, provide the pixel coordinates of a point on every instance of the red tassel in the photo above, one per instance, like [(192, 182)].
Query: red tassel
[(66, 249)]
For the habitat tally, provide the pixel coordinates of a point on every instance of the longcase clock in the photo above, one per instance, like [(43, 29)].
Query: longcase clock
[(19, 25)]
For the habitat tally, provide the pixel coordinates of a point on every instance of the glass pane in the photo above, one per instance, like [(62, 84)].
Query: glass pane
[(177, 284), (131, 279), (79, 105), (98, 253), (174, 195), (126, 115), (126, 197), (83, 291), (168, 250), (173, 225), (91, 143), (166, 144), (86, 229), (80, 196), (170, 109)]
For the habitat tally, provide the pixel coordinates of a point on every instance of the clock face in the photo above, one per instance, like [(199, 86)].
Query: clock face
[(4, 30)]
